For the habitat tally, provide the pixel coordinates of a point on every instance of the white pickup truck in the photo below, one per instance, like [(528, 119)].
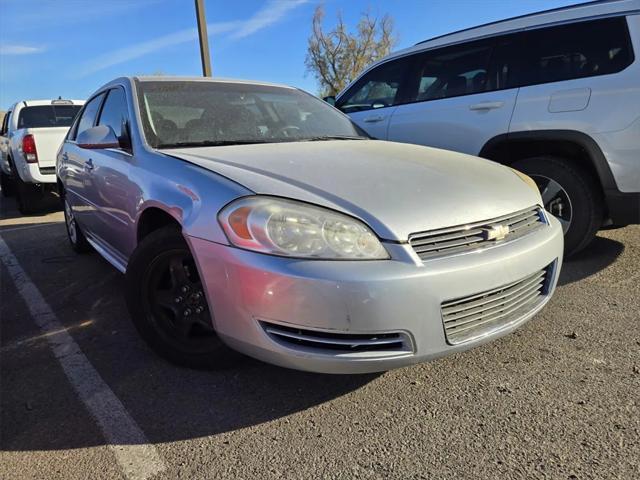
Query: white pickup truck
[(31, 133)]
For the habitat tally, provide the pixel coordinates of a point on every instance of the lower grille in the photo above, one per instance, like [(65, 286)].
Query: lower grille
[(330, 342), (477, 315), (474, 236)]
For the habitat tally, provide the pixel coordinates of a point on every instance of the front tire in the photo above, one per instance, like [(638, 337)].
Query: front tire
[(570, 194), (167, 303)]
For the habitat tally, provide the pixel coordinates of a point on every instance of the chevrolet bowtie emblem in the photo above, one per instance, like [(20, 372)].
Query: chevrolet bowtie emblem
[(496, 232)]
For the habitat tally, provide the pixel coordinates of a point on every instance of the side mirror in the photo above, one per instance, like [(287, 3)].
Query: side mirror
[(331, 100), (97, 138)]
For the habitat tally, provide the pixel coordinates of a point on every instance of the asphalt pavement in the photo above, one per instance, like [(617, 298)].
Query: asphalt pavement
[(82, 397)]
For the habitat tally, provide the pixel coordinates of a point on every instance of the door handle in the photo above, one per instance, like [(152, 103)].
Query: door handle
[(89, 165), (374, 119), (486, 105)]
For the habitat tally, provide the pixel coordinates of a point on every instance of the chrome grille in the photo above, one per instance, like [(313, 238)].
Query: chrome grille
[(331, 342), (470, 317), (464, 238)]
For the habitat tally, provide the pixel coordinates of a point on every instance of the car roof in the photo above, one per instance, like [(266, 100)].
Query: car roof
[(567, 14), (40, 102)]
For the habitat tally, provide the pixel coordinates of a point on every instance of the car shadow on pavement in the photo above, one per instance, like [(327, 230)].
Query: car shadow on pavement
[(597, 256)]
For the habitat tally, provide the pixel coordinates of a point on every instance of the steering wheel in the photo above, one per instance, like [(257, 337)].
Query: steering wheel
[(287, 130)]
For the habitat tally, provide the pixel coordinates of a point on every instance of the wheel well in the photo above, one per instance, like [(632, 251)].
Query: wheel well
[(153, 219), (573, 146), (511, 151)]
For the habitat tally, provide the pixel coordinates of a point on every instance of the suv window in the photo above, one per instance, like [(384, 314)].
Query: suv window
[(88, 118), (378, 88), (43, 116), (114, 112), (565, 52), (450, 72)]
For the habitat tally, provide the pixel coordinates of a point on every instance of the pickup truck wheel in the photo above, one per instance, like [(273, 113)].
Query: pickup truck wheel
[(570, 194), (167, 303), (7, 185), (27, 196), (76, 238)]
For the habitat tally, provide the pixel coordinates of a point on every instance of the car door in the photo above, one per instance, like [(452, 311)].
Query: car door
[(77, 167), (371, 101), (456, 98), (112, 193)]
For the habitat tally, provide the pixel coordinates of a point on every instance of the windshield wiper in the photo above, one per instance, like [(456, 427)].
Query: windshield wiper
[(209, 143), (321, 138)]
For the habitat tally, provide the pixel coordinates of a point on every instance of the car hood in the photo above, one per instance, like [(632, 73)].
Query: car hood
[(397, 189)]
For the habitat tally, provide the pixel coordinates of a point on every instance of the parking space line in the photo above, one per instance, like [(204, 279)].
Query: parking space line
[(26, 227), (137, 458)]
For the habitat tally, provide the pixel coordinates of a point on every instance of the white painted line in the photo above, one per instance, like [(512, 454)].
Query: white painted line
[(26, 227), (137, 458)]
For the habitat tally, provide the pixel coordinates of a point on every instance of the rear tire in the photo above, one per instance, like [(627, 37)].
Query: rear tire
[(570, 194), (167, 303), (7, 184), (77, 240), (27, 196)]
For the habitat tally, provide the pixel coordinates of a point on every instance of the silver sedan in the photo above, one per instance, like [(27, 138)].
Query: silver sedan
[(257, 217)]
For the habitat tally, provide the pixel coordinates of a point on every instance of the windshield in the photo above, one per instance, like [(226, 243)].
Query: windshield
[(44, 116), (191, 113)]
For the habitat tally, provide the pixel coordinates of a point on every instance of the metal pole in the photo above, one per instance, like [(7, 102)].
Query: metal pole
[(204, 39)]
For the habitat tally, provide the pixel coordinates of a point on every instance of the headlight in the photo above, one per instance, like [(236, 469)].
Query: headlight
[(295, 229)]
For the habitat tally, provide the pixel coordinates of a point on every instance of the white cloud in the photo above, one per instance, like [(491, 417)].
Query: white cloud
[(20, 49), (273, 11)]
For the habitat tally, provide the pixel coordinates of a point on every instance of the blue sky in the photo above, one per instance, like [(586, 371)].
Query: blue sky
[(71, 47)]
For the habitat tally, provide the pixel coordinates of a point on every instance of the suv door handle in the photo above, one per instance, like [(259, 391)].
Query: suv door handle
[(374, 119), (486, 105), (89, 165)]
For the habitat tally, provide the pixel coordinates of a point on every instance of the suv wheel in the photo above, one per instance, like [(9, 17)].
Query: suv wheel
[(570, 194), (76, 238), (7, 184), (167, 303)]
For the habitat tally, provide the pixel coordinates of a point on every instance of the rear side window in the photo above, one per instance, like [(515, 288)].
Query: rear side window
[(43, 116), (377, 89), (577, 50), (114, 112), (88, 118), (450, 72)]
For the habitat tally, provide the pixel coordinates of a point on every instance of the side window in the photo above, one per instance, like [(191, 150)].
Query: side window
[(378, 88), (88, 116), (450, 72), (114, 112), (577, 50)]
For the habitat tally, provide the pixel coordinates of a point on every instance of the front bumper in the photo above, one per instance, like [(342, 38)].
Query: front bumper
[(401, 295)]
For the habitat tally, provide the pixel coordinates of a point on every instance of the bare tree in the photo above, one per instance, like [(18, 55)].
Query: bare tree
[(336, 57)]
